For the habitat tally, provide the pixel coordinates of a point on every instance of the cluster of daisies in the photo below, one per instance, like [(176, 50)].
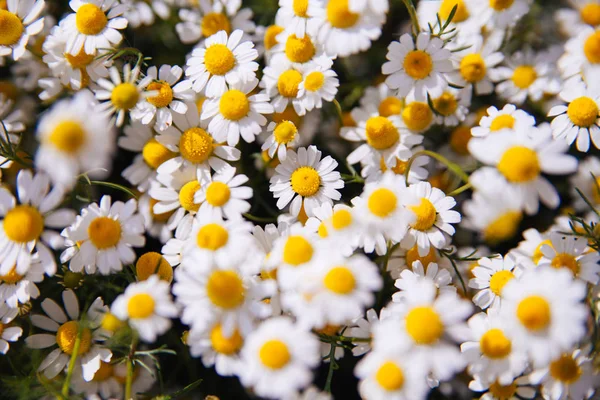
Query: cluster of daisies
[(289, 214)]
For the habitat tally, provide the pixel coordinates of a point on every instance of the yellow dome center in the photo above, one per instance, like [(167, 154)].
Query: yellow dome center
[(418, 64), (503, 228), (381, 133), (81, 60), (339, 15), (285, 132), (162, 217), (473, 68), (390, 376), (446, 104), (382, 202), (461, 15), (398, 169), (186, 196), (426, 215), (417, 116), (519, 164), (534, 313), (12, 277), (537, 253), (305, 181), (164, 96), (90, 19), (155, 153), (297, 250), (494, 344), (217, 194), (212, 237), (424, 325), (503, 121), (234, 105), (591, 48), (499, 280), (153, 263), (390, 106), (501, 392), (524, 76), (68, 136), (565, 369), (67, 335), (196, 145), (225, 289), (218, 59), (590, 14), (11, 28), (565, 260), (104, 232), (125, 96), (104, 372), (288, 83), (501, 5), (225, 345), (140, 306), (299, 50), (271, 34), (274, 354), (111, 323), (341, 219), (459, 140), (412, 255), (23, 224), (300, 8), (340, 280), (314, 81), (214, 22), (583, 112)]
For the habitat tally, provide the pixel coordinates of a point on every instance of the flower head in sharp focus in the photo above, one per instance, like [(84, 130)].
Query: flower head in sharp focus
[(543, 311), (19, 20), (219, 61), (306, 180), (277, 358), (285, 134), (64, 330), (94, 25), (17, 289), (223, 194), (148, 307), (8, 333), (579, 118), (106, 234), (490, 277), (571, 252), (74, 138), (24, 222), (301, 16), (417, 67), (451, 107), (237, 113), (509, 117), (319, 82), (295, 50), (281, 82)]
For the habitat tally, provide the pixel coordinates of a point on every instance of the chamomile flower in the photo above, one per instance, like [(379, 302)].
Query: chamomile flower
[(490, 277), (24, 223), (301, 16), (432, 218), (529, 251), (295, 50), (148, 307), (581, 59), (586, 181), (518, 389), (17, 289), (439, 276), (417, 67), (74, 138), (374, 166), (451, 107), (281, 82), (403, 259), (237, 113), (277, 358), (319, 82), (8, 333), (173, 96), (383, 98), (219, 61), (106, 234), (94, 25), (578, 118), (339, 225), (222, 194), (20, 21), (580, 15), (509, 117), (543, 310), (306, 181), (121, 95), (64, 329), (417, 116), (499, 14), (571, 252), (285, 134)]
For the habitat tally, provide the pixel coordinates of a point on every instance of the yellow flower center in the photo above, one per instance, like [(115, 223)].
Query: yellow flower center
[(217, 194), (503, 228), (412, 255), (501, 392), (503, 121), (519, 164), (314, 81), (459, 140), (212, 237), (381, 133), (501, 5), (271, 36), (390, 106), (382, 202), (590, 14), (125, 96), (389, 376), (300, 8), (67, 335), (461, 15), (565, 260), (347, 119), (90, 19), (418, 64), (214, 22), (534, 313), (417, 116), (473, 68), (339, 15), (111, 323), (11, 28), (225, 289), (426, 215), (140, 305), (104, 372), (285, 132), (297, 250), (288, 82), (305, 181), (446, 104), (225, 345), (68, 136), (218, 59), (195, 145), (155, 153), (163, 217), (398, 169), (499, 280), (23, 224), (424, 325), (11, 278), (104, 232), (341, 219), (322, 230), (494, 344), (234, 105), (299, 50), (583, 112), (537, 253), (340, 280), (153, 263), (524, 76), (288, 115), (81, 60), (186, 196), (164, 96), (274, 354), (565, 369), (591, 48)]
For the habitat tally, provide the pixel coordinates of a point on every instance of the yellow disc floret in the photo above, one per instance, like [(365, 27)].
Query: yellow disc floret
[(591, 48), (340, 280), (111, 323), (524, 76), (590, 14), (314, 81), (225, 289), (494, 344), (424, 325), (473, 68), (104, 372), (217, 194), (11, 28), (412, 255), (305, 181), (565, 260), (534, 313), (459, 140), (274, 354), (104, 232), (297, 250), (418, 64), (223, 344), (502, 121), (341, 219), (234, 105), (125, 96), (461, 14), (299, 50), (214, 22), (417, 116), (501, 5), (196, 145), (271, 34), (23, 224), (382, 202), (446, 104), (519, 164), (381, 133), (503, 392), (11, 277), (140, 306), (186, 196), (80, 60), (212, 237), (155, 153), (68, 136), (339, 14), (90, 19), (499, 280), (153, 263), (67, 335), (288, 83), (285, 132), (565, 369), (390, 106), (503, 228), (426, 215), (390, 376), (300, 8), (164, 96), (218, 59), (583, 112)]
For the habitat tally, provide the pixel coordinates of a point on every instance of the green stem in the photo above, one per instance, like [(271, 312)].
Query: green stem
[(331, 367), (259, 219), (461, 189), (129, 379), (457, 170), (71, 368), (338, 109), (413, 16)]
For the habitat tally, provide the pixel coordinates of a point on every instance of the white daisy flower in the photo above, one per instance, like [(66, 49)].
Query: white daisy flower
[(281, 82), (20, 21), (306, 180), (121, 95), (222, 194), (571, 252), (544, 313), (419, 67), (377, 6), (580, 15), (285, 134), (519, 158), (451, 107), (319, 82), (219, 61), (298, 51), (519, 389), (417, 116), (8, 333), (339, 225), (578, 118), (433, 216), (440, 277), (529, 251), (499, 14), (74, 139), (94, 25), (23, 223), (402, 259), (16, 289), (138, 13), (301, 16), (173, 248), (106, 234), (148, 307), (237, 113), (509, 117), (173, 96), (383, 98), (64, 329), (490, 277), (586, 181), (581, 57), (373, 167), (277, 358)]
